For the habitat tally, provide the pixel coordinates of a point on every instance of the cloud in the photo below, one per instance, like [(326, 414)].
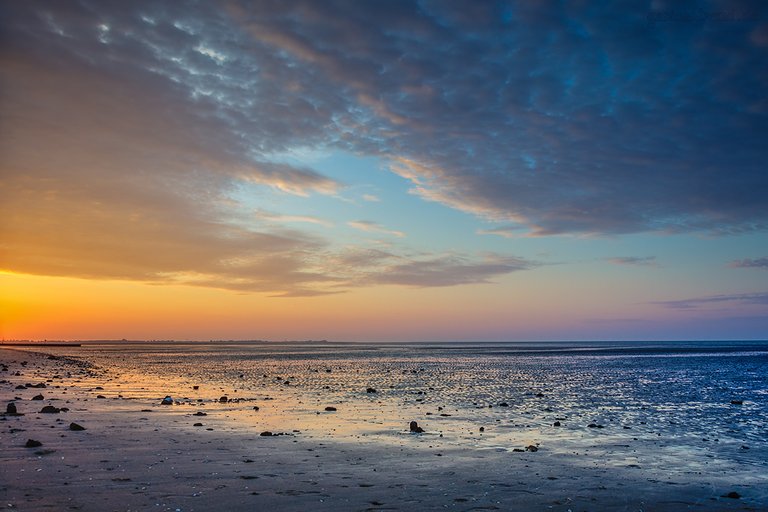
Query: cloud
[(750, 263), (372, 227), (448, 270), (279, 219), (645, 261), (128, 128), (371, 198), (732, 300)]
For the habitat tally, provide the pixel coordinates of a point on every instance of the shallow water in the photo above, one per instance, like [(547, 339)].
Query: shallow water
[(661, 406)]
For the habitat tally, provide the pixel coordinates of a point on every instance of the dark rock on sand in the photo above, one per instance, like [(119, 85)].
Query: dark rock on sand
[(195, 387), (40, 385), (556, 424), (201, 413), (11, 408), (224, 399), (482, 429), (531, 448), (49, 409), (197, 425), (38, 397), (737, 402), (330, 409), (21, 386), (733, 494), (255, 407), (370, 390), (414, 426), (266, 433), (31, 443), (76, 427), (517, 450), (167, 400), (503, 404)]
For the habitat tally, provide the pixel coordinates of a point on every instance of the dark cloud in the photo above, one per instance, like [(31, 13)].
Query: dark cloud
[(647, 261), (127, 125), (750, 263), (732, 300), (450, 270)]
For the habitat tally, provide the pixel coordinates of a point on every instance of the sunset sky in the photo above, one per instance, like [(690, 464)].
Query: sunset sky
[(383, 170)]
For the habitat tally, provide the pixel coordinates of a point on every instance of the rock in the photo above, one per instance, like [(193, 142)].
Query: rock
[(482, 429), (540, 395), (167, 400), (201, 413), (733, 495), (737, 402), (556, 424), (49, 409), (517, 450), (223, 399), (41, 385), (266, 433), (255, 407), (76, 427), (415, 428), (11, 408), (503, 404), (20, 386), (197, 425), (531, 448), (31, 443), (38, 397), (101, 397), (195, 387), (330, 409), (370, 390)]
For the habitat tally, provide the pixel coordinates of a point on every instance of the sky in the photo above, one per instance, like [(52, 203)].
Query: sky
[(383, 170)]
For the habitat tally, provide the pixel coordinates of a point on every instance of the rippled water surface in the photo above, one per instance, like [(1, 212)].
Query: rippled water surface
[(664, 405)]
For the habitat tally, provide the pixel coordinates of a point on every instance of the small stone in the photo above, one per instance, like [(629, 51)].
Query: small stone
[(330, 409), (195, 387), (11, 408), (503, 404), (101, 397), (531, 448), (482, 429), (556, 424), (167, 400), (370, 390), (517, 450), (414, 427), (540, 395), (733, 495), (197, 425), (49, 409), (266, 433), (737, 402), (223, 399), (201, 413), (255, 407), (38, 397), (40, 385), (31, 443), (76, 427)]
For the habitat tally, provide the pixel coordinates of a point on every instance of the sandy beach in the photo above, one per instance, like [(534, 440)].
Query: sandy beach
[(198, 454)]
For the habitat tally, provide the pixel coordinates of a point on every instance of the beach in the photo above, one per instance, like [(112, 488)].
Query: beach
[(209, 450)]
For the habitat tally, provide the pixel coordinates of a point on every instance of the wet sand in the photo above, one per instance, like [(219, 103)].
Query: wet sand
[(136, 454)]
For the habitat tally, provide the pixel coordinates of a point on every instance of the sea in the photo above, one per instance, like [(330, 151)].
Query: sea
[(678, 408)]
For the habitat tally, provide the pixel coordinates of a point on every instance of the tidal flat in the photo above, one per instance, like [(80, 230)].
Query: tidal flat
[(590, 426)]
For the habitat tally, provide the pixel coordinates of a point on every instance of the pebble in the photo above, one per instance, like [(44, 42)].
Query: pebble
[(556, 424), (224, 399), (38, 397), (330, 409), (414, 427), (76, 427), (49, 409), (32, 443), (737, 402), (11, 408), (733, 494), (167, 400), (370, 390), (531, 448), (266, 433)]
